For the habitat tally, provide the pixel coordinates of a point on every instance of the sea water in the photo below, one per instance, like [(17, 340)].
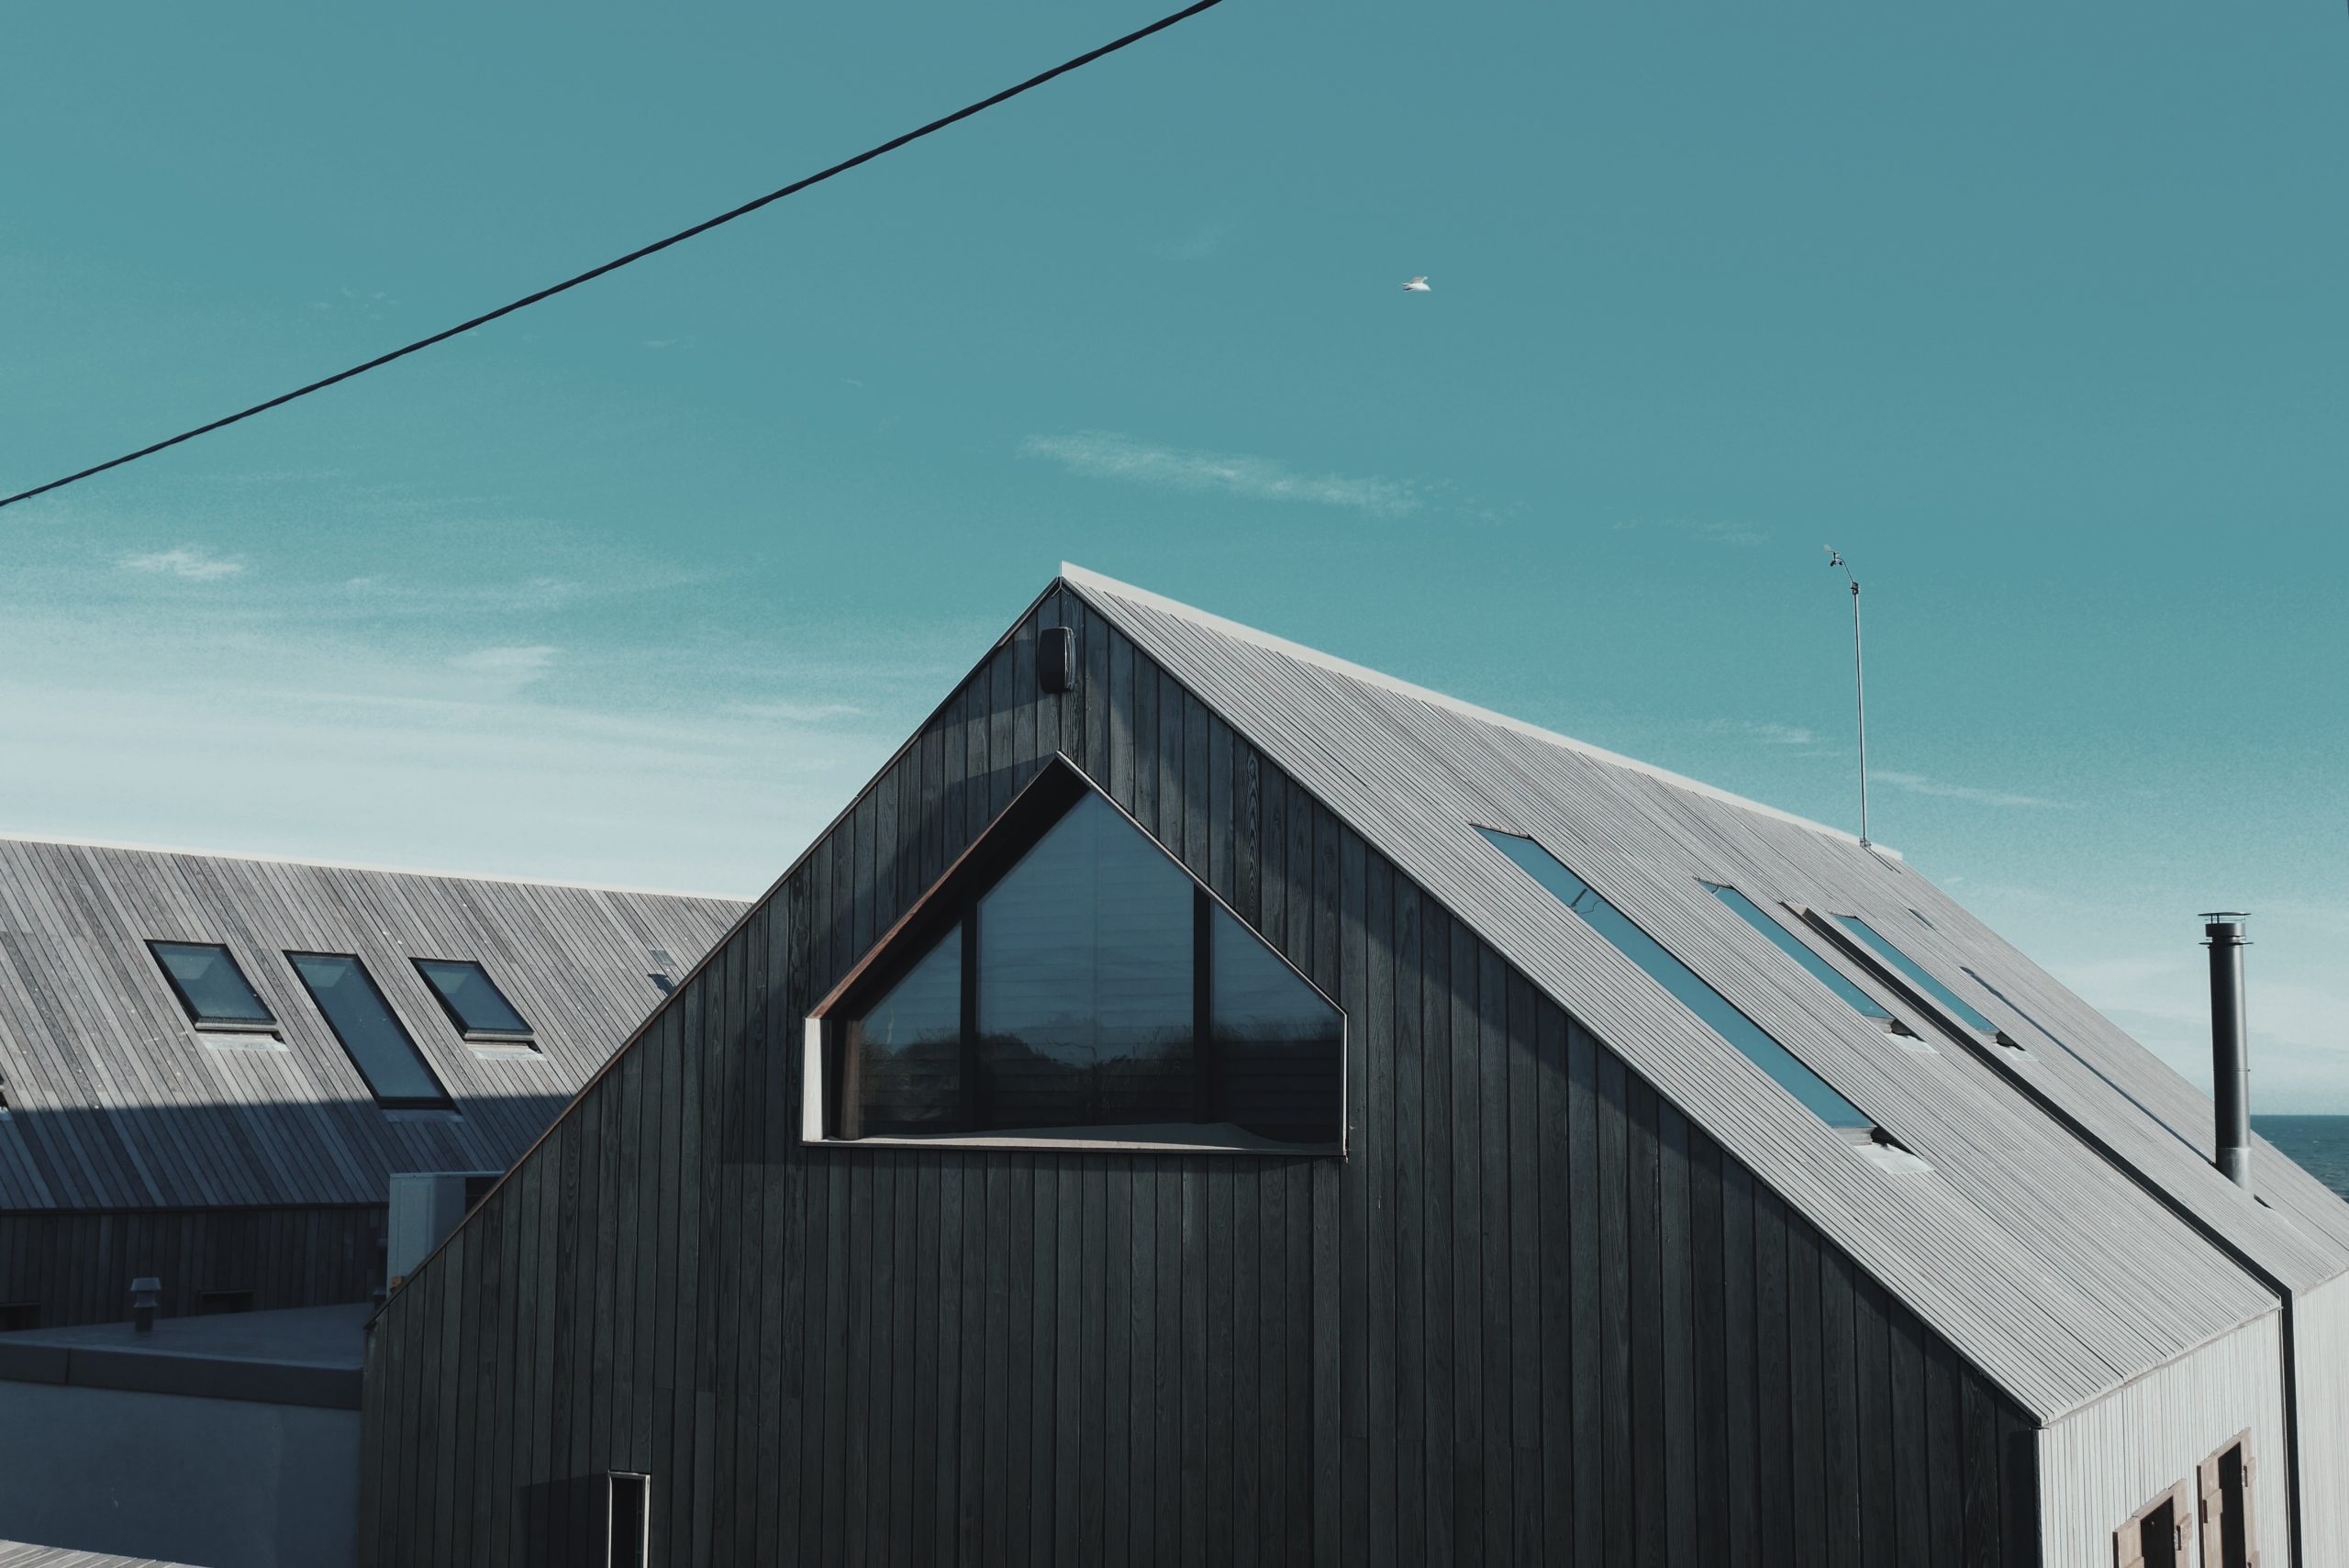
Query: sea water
[(2318, 1144)]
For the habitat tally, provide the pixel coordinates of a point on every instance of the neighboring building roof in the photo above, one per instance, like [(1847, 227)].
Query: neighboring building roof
[(114, 1101), (2054, 1271), (305, 1355)]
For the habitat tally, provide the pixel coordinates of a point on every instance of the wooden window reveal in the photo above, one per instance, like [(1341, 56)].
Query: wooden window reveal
[(2230, 1531), (2158, 1535)]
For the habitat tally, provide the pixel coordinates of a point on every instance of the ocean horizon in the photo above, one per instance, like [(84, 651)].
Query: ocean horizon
[(2318, 1144)]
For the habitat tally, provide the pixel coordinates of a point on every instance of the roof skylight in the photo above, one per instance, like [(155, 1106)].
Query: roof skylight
[(1691, 991), (379, 1047), (211, 987), (472, 1000), (1795, 948), (1964, 1011)]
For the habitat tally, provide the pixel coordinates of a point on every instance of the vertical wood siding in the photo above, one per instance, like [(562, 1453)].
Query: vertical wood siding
[(77, 1268), (1535, 1315), (2101, 1466)]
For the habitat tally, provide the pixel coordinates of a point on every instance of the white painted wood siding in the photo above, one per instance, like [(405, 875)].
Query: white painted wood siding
[(2102, 1465), (2321, 1337)]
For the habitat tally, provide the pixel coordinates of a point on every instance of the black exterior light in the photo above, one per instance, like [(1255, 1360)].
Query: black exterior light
[(1056, 659)]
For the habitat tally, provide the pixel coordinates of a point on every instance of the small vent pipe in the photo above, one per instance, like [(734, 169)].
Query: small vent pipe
[(2230, 1054)]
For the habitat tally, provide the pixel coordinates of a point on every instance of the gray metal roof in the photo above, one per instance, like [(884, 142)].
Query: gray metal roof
[(17, 1554), (115, 1102), (2054, 1273)]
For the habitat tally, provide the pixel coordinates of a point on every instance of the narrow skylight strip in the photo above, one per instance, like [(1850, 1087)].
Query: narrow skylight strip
[(1795, 948), (1966, 1013), (1686, 988)]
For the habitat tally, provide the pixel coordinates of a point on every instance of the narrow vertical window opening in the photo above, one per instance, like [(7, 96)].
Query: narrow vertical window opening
[(628, 1535)]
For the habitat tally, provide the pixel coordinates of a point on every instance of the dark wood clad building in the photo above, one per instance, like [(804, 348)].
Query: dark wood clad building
[(1207, 1103), (211, 1066)]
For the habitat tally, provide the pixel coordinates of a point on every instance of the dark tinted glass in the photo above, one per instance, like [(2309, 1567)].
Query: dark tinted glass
[(631, 1522), (363, 1021), (1795, 948), (210, 987), (477, 1005), (1965, 1013), (1677, 977), (904, 1075), (1085, 961), (1277, 1043), (1084, 982)]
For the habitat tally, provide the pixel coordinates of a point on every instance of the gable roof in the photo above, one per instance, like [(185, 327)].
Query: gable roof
[(2057, 1272), (115, 1102)]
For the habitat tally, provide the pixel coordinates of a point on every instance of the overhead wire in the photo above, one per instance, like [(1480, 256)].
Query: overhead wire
[(843, 167)]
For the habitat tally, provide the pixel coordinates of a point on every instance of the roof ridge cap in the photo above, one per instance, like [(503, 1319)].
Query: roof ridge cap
[(1082, 578)]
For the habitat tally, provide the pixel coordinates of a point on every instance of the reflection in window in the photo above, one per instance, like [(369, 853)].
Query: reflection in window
[(905, 1055), (1795, 948), (1085, 981), (1277, 1043), (210, 985), (1081, 968), (1677, 977), (1966, 1013), (368, 1030), (471, 998)]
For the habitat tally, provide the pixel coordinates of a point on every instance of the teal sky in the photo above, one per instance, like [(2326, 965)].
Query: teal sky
[(2037, 312)]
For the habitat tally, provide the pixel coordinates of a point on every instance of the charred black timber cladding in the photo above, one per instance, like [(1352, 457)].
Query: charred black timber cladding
[(1536, 1316)]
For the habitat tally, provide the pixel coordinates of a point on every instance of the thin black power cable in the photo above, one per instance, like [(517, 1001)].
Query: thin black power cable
[(614, 265)]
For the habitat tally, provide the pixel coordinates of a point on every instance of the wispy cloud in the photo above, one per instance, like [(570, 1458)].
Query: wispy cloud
[(395, 595), (1743, 536), (185, 562), (371, 303), (1104, 454), (1769, 734), (1195, 245), (513, 666), (1918, 783), (796, 713)]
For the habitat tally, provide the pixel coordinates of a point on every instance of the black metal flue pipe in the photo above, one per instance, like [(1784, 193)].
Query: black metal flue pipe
[(2230, 1050)]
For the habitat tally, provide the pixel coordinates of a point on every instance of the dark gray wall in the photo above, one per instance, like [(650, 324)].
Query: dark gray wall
[(78, 1267), (1534, 1316), (217, 1483)]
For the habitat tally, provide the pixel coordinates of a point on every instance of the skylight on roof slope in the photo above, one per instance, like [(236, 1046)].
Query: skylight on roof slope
[(1686, 985)]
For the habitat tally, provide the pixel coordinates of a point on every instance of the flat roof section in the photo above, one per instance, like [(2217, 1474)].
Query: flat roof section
[(306, 1355)]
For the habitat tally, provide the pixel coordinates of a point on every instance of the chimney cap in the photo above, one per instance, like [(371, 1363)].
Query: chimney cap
[(2224, 915)]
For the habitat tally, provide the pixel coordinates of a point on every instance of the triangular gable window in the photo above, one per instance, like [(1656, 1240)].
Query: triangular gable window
[(1068, 983)]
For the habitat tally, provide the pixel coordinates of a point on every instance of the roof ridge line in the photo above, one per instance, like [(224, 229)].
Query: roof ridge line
[(1083, 578)]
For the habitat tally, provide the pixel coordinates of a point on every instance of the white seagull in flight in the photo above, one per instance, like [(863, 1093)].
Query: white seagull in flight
[(1418, 285)]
